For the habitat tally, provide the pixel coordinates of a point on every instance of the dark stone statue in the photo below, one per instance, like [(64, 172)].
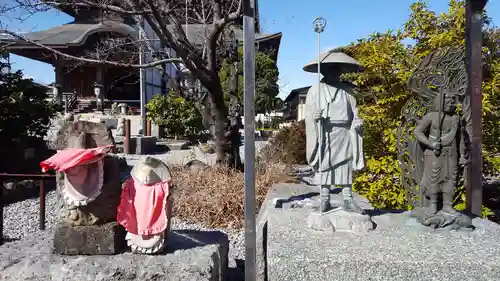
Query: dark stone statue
[(90, 194), (438, 150)]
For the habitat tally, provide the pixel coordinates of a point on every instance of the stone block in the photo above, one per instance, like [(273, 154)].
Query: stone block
[(143, 145), (111, 123), (182, 145), (106, 239), (397, 249), (191, 255)]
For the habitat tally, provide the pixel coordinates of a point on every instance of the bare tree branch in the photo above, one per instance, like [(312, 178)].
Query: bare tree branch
[(94, 61)]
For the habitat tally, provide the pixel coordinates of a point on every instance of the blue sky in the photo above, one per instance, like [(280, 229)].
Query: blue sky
[(346, 22)]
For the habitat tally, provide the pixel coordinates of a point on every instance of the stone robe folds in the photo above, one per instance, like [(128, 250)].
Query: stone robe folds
[(341, 145)]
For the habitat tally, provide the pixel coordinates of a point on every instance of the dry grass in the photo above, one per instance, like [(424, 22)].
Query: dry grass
[(214, 196)]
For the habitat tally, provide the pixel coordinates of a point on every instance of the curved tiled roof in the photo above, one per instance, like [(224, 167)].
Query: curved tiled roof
[(77, 33)]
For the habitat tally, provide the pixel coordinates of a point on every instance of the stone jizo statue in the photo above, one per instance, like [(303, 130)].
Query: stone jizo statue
[(334, 132), (88, 182), (146, 206)]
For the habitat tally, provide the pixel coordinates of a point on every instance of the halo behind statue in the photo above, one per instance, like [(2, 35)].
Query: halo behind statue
[(334, 58)]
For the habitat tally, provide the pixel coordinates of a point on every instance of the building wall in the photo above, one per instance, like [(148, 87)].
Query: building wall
[(301, 107), (155, 78)]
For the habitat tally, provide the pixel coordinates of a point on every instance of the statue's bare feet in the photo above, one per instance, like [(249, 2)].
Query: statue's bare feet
[(73, 215), (351, 206), (325, 206), (448, 209), (431, 210)]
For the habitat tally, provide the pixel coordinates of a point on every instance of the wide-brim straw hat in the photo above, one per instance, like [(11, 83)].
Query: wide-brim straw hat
[(150, 170), (344, 62)]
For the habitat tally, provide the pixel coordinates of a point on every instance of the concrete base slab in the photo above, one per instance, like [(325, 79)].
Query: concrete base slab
[(397, 248), (191, 255)]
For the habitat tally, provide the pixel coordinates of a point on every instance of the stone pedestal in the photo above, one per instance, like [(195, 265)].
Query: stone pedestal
[(339, 220), (397, 249), (190, 256), (106, 239)]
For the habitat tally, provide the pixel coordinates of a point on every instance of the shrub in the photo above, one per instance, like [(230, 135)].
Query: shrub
[(25, 119), (177, 114), (287, 146), (215, 196)]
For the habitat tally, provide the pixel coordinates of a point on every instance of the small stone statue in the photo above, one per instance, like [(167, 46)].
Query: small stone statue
[(431, 161), (146, 206), (334, 133), (88, 181), (115, 109), (120, 127)]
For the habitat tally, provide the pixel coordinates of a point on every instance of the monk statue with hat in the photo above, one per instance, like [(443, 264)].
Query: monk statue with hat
[(334, 129), (146, 206)]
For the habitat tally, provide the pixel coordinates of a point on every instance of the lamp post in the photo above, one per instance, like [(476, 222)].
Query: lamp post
[(319, 26), (98, 94), (57, 93)]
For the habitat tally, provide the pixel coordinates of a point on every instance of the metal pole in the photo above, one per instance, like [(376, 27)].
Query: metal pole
[(126, 139), (42, 204), (319, 26), (474, 24), (249, 112), (1, 211), (142, 88), (187, 36)]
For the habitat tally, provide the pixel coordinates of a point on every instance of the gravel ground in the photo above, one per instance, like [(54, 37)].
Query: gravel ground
[(22, 219)]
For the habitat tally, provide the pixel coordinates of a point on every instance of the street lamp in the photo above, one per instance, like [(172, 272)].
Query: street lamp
[(56, 93), (319, 26)]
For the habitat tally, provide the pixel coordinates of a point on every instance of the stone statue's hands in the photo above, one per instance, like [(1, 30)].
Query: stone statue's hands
[(358, 126), (464, 161), (435, 145), (317, 114)]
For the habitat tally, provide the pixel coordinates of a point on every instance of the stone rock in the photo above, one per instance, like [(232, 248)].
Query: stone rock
[(192, 255), (339, 220), (195, 166), (106, 239)]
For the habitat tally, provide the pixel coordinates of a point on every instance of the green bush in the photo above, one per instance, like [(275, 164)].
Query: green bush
[(287, 145), (178, 115)]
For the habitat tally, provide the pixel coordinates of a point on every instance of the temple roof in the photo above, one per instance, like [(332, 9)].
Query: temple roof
[(75, 33)]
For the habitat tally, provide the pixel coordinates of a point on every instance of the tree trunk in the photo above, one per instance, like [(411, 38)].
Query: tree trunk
[(227, 139)]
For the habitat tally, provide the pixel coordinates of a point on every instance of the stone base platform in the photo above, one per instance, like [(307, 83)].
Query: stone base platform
[(191, 255), (339, 220), (398, 248), (106, 239)]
